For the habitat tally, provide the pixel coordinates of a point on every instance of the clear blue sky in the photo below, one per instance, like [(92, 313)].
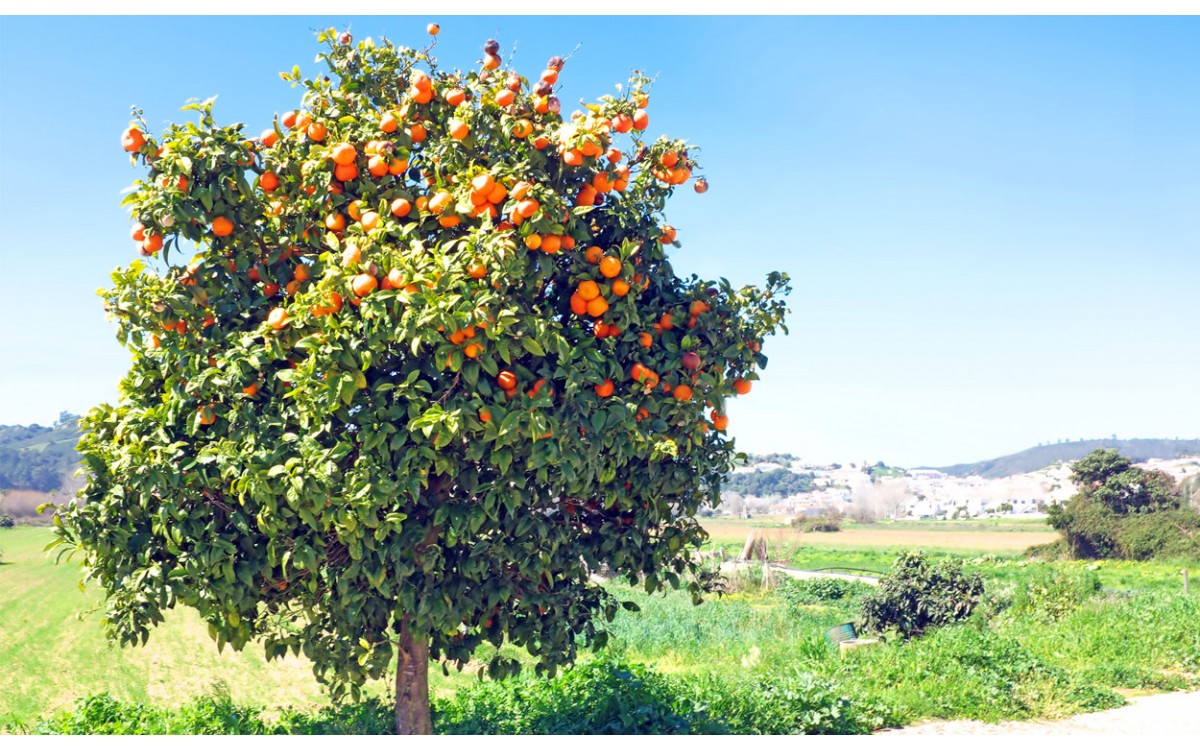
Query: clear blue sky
[(993, 224)]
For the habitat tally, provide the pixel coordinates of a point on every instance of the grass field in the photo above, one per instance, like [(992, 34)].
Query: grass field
[(1139, 634), (976, 536)]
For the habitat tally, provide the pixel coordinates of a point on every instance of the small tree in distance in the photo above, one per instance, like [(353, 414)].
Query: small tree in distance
[(427, 368)]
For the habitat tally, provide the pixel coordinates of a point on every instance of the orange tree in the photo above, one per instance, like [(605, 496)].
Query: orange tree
[(427, 369)]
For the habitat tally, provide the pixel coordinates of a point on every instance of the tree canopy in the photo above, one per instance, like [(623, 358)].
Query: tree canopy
[(407, 368)]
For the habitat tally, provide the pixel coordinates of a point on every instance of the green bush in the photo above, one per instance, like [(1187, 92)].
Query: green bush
[(915, 596), (6, 521), (1054, 593), (798, 593)]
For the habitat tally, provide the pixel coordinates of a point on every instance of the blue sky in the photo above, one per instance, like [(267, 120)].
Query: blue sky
[(992, 224)]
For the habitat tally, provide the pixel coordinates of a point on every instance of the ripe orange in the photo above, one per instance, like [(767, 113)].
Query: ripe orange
[(472, 351), (699, 307), (588, 290), (477, 270), (605, 389), (682, 393), (641, 120), (269, 137), (277, 318), (343, 153), (268, 181), (668, 235), (345, 172), (417, 132), (505, 98), (317, 131), (551, 243), (439, 202), (458, 130), (455, 97), (720, 421), (222, 227), (741, 386), (370, 220), (485, 416), (378, 166), (523, 129), (645, 339), (132, 139), (507, 380), (251, 390), (152, 244), (207, 416), (388, 123), (533, 241), (610, 267), (335, 222), (491, 62), (597, 307), (578, 304), (363, 284), (401, 207), (433, 29), (351, 256)]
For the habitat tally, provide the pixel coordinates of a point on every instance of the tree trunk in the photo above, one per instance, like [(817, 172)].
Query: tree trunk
[(412, 685)]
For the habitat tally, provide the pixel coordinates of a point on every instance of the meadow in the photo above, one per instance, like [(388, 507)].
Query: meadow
[(1051, 639)]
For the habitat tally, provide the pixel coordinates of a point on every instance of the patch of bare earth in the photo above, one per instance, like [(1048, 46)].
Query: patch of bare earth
[(1165, 714)]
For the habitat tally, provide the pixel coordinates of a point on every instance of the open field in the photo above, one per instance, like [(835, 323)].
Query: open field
[(1139, 634), (959, 537)]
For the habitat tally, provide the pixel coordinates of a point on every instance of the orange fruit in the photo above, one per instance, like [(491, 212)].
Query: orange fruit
[(455, 97), (439, 202), (268, 181), (551, 243), (335, 222), (620, 287), (343, 153), (351, 256), (645, 339), (741, 386), (132, 139), (251, 389), (152, 244), (401, 207), (472, 351), (485, 416), (363, 284), (317, 131), (682, 393), (588, 290), (523, 129), (388, 123), (433, 29), (641, 120), (378, 166), (610, 267), (289, 120), (505, 98), (668, 235), (345, 172), (507, 380), (277, 318), (354, 210), (597, 307), (476, 270), (207, 416), (533, 241), (370, 220), (222, 227), (578, 304), (593, 254), (458, 129), (417, 132)]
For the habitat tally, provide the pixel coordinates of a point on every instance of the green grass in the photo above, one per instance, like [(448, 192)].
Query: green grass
[(1139, 632)]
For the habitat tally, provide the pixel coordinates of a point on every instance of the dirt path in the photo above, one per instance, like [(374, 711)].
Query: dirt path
[(1169, 713)]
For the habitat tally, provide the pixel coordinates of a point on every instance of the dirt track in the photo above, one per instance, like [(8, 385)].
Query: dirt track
[(1169, 713)]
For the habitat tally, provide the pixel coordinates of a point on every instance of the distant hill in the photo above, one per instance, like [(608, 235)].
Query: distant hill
[(33, 457), (1047, 455)]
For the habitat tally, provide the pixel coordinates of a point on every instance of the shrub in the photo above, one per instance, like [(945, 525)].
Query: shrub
[(829, 522), (820, 591), (915, 596), (1053, 594), (6, 521)]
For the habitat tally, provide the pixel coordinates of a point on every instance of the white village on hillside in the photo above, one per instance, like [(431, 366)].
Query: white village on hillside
[(874, 492)]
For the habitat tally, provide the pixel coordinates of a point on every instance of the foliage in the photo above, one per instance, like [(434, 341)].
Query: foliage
[(820, 591), (915, 596), (1055, 593), (781, 482), (441, 454), (37, 458), (6, 521), (1042, 456), (964, 671), (828, 521), (1123, 511)]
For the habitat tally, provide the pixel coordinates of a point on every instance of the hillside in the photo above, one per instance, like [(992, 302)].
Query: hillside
[(1047, 455), (33, 457)]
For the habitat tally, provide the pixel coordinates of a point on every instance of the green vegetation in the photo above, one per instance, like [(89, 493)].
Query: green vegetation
[(1123, 511), (1043, 642), (37, 458), (781, 482), (916, 596)]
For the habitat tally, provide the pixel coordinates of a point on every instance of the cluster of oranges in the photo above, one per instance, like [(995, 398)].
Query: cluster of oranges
[(360, 170)]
